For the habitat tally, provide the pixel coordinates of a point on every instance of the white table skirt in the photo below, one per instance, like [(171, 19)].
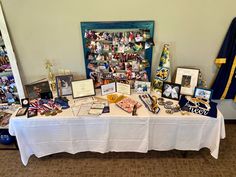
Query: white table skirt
[(117, 131)]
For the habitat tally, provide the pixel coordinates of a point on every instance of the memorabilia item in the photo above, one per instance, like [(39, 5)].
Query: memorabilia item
[(142, 87), (150, 102), (25, 102), (34, 90), (95, 111), (108, 88), (224, 85), (118, 51), (62, 101), (198, 106), (123, 88), (203, 93), (32, 112), (22, 111), (134, 112), (4, 118), (188, 78), (46, 95), (171, 90), (51, 76), (63, 85), (127, 104), (83, 88), (163, 70), (114, 98)]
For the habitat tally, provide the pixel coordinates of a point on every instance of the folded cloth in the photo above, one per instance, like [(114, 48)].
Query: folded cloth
[(198, 106)]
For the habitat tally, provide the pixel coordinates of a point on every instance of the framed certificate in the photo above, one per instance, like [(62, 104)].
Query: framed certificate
[(82, 88), (123, 88)]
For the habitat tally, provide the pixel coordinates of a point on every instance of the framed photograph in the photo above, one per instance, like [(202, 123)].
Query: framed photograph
[(108, 88), (22, 111), (203, 93), (171, 90), (83, 88), (63, 85), (34, 90), (188, 78), (32, 113), (142, 87), (123, 88)]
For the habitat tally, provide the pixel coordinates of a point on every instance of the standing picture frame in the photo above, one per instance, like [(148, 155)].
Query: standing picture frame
[(188, 79), (63, 85), (171, 90), (82, 88), (203, 93), (34, 90)]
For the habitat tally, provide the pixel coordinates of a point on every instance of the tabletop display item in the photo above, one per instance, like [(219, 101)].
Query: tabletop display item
[(198, 106), (32, 112), (171, 90), (150, 103), (203, 93), (25, 102), (4, 118), (114, 98), (123, 88), (142, 87), (108, 88), (163, 70), (34, 90), (83, 88), (127, 104), (22, 111), (188, 78), (118, 51), (63, 85)]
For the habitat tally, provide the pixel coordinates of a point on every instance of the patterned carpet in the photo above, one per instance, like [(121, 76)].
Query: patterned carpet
[(152, 164)]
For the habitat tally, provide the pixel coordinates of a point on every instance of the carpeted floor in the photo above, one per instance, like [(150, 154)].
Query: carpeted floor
[(152, 164)]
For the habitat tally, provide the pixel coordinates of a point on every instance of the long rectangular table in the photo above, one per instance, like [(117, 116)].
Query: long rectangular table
[(116, 131)]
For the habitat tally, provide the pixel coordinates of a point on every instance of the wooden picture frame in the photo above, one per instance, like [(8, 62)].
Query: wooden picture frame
[(33, 90), (63, 85), (188, 79)]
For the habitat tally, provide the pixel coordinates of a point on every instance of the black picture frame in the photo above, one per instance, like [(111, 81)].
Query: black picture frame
[(67, 81), (76, 87), (204, 94), (167, 94), (22, 111), (32, 113)]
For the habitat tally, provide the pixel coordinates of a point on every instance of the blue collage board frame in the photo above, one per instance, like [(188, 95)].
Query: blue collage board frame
[(129, 25)]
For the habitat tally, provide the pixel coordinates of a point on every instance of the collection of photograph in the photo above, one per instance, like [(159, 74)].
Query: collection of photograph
[(117, 56)]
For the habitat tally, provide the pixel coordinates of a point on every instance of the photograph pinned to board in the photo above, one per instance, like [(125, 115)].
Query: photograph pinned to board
[(203, 93), (63, 85), (188, 78), (171, 90), (83, 88), (142, 87)]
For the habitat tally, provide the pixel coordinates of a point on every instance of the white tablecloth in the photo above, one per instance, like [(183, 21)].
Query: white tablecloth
[(116, 131)]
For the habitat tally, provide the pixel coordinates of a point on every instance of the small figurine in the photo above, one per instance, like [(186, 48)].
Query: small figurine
[(134, 112)]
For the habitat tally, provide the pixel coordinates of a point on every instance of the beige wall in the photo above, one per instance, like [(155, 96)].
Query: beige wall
[(50, 29)]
